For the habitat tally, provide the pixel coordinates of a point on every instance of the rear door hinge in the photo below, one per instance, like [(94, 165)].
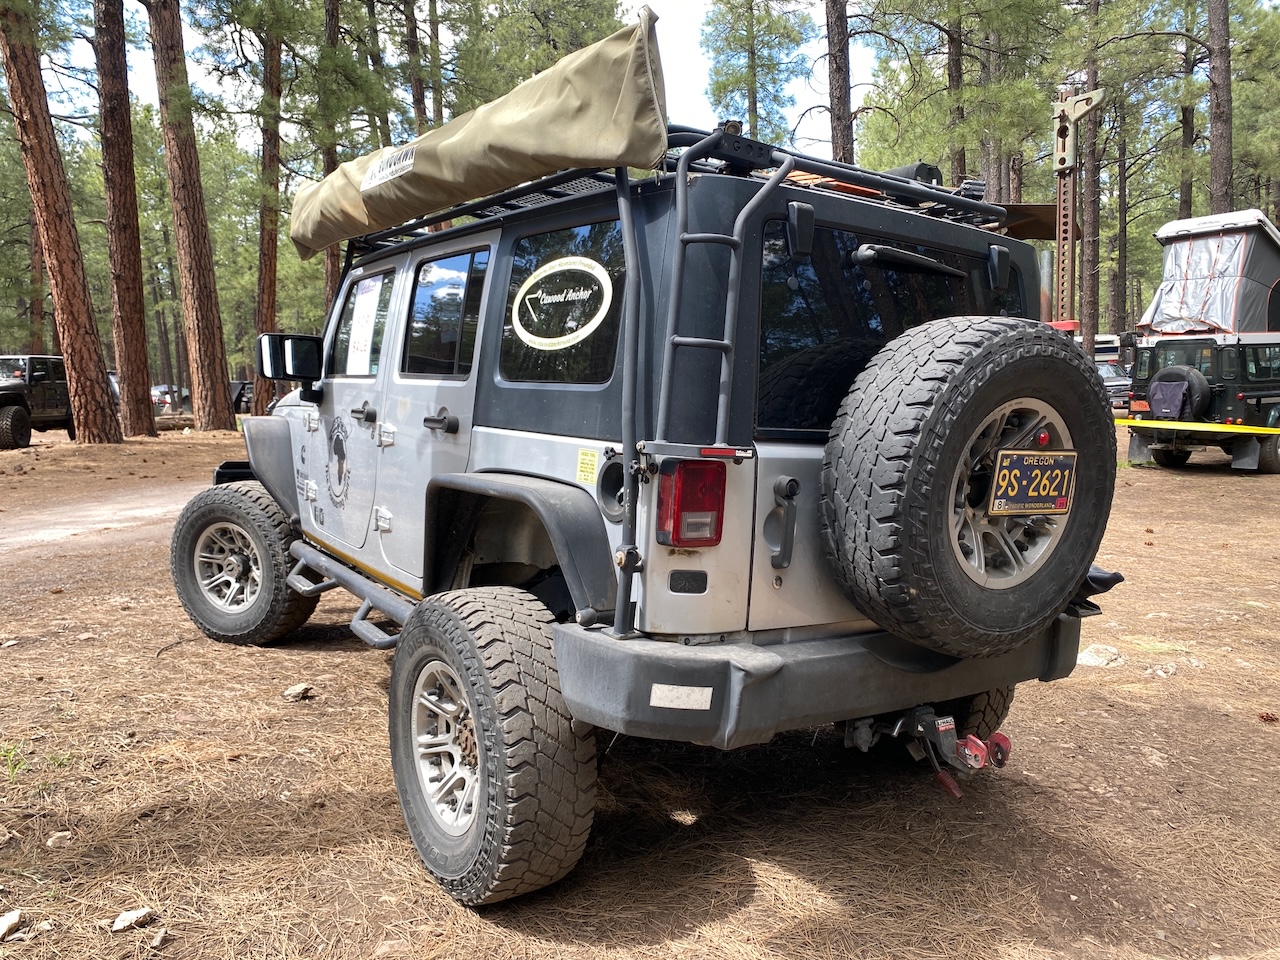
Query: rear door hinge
[(311, 420), (386, 435), (382, 519)]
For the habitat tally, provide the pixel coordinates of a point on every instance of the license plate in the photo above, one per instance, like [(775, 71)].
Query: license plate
[(1139, 406), (1032, 481)]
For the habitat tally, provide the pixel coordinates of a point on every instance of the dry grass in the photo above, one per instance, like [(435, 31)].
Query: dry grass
[(1137, 819)]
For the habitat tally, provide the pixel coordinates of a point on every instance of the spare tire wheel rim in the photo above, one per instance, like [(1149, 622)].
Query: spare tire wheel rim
[(228, 567), (445, 749), (1000, 552)]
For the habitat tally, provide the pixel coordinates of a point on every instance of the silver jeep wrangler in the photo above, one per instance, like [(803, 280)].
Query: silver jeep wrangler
[(758, 443)]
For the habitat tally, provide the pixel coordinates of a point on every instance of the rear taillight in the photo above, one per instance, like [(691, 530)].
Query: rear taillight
[(691, 503)]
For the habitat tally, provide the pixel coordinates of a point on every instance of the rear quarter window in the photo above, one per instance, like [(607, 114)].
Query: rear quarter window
[(564, 306), (822, 320)]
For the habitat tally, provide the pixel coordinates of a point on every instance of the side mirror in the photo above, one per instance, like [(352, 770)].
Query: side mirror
[(39, 377), (799, 230), (289, 356), (1128, 339), (998, 266)]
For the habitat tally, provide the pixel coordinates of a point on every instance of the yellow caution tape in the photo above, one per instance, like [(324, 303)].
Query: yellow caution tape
[(1182, 426)]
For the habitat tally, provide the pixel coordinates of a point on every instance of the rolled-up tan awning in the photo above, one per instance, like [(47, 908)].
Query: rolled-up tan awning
[(602, 106)]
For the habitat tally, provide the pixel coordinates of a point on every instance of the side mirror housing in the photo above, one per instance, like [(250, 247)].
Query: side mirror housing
[(290, 356)]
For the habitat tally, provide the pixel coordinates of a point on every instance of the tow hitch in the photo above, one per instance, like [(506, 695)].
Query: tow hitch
[(933, 737)]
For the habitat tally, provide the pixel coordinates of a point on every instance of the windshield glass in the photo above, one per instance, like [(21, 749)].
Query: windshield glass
[(1109, 370)]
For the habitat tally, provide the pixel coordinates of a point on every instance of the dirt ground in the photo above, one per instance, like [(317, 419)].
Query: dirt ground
[(143, 765)]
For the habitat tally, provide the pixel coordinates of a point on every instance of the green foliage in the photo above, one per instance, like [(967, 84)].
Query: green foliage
[(755, 51)]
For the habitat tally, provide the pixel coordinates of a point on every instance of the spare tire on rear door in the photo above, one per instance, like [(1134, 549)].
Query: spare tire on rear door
[(907, 482)]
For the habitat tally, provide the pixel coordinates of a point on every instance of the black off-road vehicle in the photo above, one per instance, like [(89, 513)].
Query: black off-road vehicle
[(1207, 371), (758, 443), (33, 396)]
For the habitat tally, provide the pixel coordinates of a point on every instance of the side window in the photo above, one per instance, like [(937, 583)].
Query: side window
[(440, 337), (1142, 369), (59, 371), (564, 306), (1228, 363), (357, 345), (39, 370), (1262, 363), (823, 319)]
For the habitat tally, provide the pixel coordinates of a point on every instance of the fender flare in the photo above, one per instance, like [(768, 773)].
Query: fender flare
[(270, 448), (569, 514)]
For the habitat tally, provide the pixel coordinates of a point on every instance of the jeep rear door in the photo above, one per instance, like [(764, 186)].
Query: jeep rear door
[(429, 393)]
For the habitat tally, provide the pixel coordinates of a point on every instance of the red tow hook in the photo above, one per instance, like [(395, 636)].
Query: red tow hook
[(972, 751), (998, 749)]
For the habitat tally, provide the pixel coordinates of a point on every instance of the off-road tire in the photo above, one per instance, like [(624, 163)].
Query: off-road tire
[(804, 391), (1198, 393), (71, 429), (1173, 459), (980, 715), (536, 776), (244, 526), (1269, 455), (15, 427), (896, 472)]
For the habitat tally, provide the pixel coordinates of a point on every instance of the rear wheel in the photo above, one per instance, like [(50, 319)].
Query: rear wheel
[(980, 715), (1171, 458), (1269, 455), (15, 428), (496, 786), (230, 559)]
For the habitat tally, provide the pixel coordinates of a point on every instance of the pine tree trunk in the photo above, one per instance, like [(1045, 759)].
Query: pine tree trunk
[(87, 384), (329, 149), (37, 290), (955, 83), (753, 76), (1090, 172), (264, 320), (437, 67), (1187, 127), (124, 242), (210, 385), (838, 80), (1120, 318), (379, 70), (413, 53), (1221, 199)]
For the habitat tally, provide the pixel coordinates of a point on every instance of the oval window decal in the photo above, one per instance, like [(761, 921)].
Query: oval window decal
[(562, 303)]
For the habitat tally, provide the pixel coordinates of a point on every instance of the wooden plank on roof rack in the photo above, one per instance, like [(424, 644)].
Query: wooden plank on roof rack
[(830, 183)]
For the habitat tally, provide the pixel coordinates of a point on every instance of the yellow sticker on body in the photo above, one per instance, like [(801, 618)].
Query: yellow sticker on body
[(588, 463)]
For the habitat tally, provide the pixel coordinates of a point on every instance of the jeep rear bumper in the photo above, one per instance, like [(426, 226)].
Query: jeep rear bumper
[(730, 695)]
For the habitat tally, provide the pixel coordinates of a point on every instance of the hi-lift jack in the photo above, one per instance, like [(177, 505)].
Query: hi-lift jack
[(934, 737)]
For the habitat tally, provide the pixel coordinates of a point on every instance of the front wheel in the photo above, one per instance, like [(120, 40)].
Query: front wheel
[(230, 559), (15, 428), (497, 788)]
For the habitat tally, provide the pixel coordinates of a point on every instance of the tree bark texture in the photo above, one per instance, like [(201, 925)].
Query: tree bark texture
[(838, 80), (210, 385), (87, 384), (379, 69), (753, 76), (437, 65), (37, 290), (1221, 197), (1120, 316), (1090, 172), (955, 83), (264, 320), (413, 54), (124, 244), (328, 148)]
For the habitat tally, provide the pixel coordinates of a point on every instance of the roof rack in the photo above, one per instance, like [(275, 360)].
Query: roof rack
[(735, 155)]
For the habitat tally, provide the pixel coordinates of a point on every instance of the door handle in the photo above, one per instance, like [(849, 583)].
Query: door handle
[(365, 413), (442, 421)]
